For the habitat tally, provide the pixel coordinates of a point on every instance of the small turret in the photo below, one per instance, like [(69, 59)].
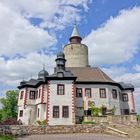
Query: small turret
[(60, 61), (42, 74)]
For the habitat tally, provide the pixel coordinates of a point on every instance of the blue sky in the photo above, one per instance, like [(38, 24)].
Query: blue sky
[(32, 34)]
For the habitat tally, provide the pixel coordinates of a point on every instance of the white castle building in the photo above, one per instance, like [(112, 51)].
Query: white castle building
[(59, 98)]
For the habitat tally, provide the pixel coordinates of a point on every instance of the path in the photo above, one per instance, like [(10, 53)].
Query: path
[(73, 137)]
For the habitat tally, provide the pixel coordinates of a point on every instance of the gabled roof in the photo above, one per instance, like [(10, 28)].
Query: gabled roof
[(88, 74)]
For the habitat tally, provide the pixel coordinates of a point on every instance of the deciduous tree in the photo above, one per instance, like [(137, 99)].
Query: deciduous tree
[(9, 105)]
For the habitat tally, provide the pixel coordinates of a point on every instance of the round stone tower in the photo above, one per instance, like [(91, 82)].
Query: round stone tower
[(76, 53)]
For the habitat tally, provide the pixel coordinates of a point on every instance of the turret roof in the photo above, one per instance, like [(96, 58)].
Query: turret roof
[(75, 32)]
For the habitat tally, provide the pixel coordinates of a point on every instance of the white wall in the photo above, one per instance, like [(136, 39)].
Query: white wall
[(28, 114), (21, 101), (128, 105), (60, 100), (109, 102), (42, 112)]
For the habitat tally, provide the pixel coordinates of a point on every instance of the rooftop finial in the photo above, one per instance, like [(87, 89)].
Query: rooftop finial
[(43, 66), (75, 21)]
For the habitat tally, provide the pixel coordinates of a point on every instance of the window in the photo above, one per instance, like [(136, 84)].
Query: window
[(21, 94), (88, 92), (104, 110), (38, 112), (87, 112), (36, 94), (102, 93), (126, 111), (21, 113), (65, 112), (39, 92), (60, 89), (114, 93), (55, 111), (125, 97), (32, 95), (79, 92)]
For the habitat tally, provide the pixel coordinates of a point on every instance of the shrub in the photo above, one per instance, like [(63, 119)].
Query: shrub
[(9, 121), (88, 122), (44, 122)]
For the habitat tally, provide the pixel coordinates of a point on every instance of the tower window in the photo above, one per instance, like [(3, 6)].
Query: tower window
[(114, 93), (21, 113), (21, 94), (102, 93), (55, 111), (65, 111), (88, 92), (79, 92), (60, 89)]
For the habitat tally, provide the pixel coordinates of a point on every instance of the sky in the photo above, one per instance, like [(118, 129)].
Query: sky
[(32, 32)]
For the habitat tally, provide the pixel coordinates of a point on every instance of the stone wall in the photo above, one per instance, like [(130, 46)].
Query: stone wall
[(121, 119), (20, 130)]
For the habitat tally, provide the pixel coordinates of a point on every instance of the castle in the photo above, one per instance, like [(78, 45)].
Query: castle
[(63, 97)]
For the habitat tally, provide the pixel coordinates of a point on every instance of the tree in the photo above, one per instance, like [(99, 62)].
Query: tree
[(9, 105)]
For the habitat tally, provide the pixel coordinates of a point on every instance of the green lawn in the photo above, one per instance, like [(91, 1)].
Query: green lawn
[(7, 138)]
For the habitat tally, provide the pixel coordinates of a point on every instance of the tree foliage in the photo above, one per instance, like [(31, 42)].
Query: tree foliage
[(9, 105)]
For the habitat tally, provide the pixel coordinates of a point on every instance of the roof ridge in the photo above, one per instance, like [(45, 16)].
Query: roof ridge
[(102, 73)]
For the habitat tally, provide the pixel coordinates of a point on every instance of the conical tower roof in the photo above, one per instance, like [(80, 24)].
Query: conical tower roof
[(75, 37), (75, 32)]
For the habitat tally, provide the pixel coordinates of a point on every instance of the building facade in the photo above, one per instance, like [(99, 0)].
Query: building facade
[(63, 97)]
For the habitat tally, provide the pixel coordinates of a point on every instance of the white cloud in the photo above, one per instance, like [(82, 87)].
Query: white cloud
[(13, 71), (56, 14), (117, 40), (121, 74), (17, 35), (137, 67)]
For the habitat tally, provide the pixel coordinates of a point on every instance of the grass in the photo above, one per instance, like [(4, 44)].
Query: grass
[(7, 138)]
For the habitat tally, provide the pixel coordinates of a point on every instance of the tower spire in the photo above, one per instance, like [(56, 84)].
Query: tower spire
[(75, 37)]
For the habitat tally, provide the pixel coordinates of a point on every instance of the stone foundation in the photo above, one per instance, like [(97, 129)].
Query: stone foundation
[(18, 130)]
